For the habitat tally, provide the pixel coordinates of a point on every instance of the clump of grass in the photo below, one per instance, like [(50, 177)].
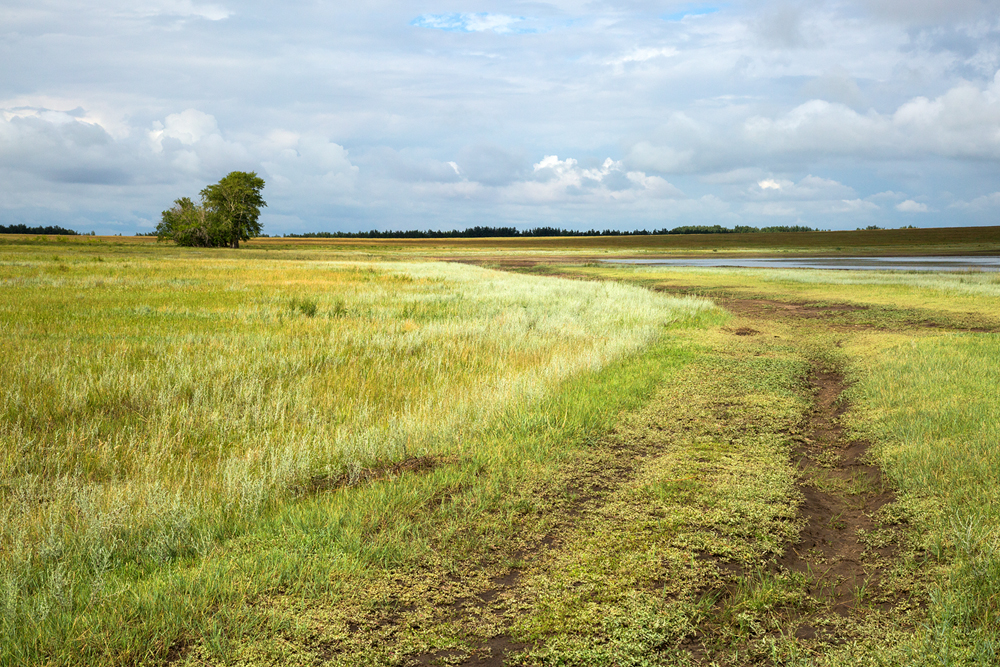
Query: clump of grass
[(338, 308), (304, 305)]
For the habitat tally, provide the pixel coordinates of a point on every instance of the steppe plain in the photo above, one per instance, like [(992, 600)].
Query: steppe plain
[(498, 451)]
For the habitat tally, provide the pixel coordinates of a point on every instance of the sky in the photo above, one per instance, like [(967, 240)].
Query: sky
[(446, 114)]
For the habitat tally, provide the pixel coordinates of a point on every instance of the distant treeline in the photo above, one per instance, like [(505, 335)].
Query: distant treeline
[(24, 229), (484, 232)]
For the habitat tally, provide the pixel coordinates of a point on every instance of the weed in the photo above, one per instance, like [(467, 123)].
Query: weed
[(304, 305)]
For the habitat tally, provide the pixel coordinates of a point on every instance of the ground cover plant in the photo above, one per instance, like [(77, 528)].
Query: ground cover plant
[(155, 407), (277, 458)]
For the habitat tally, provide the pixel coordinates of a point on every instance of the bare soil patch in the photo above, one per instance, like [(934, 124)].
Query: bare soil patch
[(841, 493)]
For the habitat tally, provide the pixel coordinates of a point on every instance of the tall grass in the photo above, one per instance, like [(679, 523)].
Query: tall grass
[(933, 405), (153, 407)]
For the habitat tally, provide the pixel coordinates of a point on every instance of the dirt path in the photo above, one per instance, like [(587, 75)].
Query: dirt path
[(841, 493), (841, 552)]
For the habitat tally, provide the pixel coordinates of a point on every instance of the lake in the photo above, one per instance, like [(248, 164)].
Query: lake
[(954, 263)]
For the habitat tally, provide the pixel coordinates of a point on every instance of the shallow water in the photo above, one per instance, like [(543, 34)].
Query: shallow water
[(955, 263)]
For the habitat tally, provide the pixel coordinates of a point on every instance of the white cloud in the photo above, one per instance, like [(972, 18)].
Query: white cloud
[(910, 206), (640, 56), (963, 122), (983, 203), (309, 164), (555, 179), (854, 206), (887, 195), (187, 127), (664, 159), (469, 22), (808, 188)]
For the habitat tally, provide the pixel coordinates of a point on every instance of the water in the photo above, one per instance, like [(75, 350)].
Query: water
[(958, 263)]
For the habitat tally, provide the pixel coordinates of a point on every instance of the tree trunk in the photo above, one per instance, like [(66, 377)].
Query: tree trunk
[(236, 243)]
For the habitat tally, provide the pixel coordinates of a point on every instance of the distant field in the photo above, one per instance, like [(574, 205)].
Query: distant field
[(344, 452), (949, 240)]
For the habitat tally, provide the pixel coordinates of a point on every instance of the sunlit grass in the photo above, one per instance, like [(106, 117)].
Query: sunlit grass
[(933, 406), (154, 405)]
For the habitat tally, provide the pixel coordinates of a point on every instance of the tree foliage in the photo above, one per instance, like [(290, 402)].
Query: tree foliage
[(229, 212)]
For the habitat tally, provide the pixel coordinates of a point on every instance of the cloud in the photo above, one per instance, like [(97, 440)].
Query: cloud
[(808, 188), (364, 116), (962, 122), (556, 179), (854, 206), (187, 127), (836, 85), (983, 203), (468, 22), (887, 195), (932, 12), (692, 13), (308, 165), (492, 165), (212, 12), (664, 159), (910, 206), (408, 168), (781, 28), (57, 147), (642, 55)]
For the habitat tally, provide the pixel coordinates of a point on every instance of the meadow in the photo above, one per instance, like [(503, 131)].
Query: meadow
[(347, 453)]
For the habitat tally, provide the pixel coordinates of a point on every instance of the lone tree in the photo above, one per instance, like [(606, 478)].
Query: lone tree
[(229, 213)]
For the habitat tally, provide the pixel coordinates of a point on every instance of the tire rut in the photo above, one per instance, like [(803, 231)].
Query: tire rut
[(841, 493)]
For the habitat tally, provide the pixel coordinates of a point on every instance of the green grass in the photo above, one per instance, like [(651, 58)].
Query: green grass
[(158, 410), (933, 406), (178, 427)]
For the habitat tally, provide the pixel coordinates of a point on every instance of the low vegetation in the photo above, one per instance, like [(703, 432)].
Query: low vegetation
[(282, 459)]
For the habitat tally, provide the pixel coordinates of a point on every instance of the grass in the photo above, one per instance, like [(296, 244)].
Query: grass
[(154, 410), (952, 240), (335, 453), (932, 404)]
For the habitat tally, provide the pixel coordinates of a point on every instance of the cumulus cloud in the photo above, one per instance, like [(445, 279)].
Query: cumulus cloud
[(187, 127), (983, 203), (665, 159), (556, 179), (307, 164), (910, 206), (962, 122), (809, 187), (399, 120), (836, 85), (59, 147)]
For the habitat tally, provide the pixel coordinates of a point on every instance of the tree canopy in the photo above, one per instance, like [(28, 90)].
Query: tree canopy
[(229, 213)]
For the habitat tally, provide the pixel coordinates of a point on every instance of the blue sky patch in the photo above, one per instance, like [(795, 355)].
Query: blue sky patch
[(697, 11), (472, 22)]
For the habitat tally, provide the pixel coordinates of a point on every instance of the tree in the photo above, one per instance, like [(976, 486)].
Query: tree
[(189, 224), (236, 200), (229, 213)]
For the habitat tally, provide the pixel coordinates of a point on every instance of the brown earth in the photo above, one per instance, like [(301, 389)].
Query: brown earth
[(841, 493)]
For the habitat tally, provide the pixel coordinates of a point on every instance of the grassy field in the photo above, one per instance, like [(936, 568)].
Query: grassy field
[(945, 241), (341, 453)]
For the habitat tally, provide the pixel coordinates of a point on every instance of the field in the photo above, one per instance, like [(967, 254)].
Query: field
[(345, 453)]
